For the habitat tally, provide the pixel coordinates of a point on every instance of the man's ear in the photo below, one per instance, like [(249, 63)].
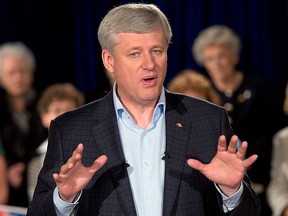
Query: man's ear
[(108, 60)]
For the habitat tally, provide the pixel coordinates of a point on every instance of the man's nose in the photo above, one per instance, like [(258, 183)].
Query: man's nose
[(148, 61)]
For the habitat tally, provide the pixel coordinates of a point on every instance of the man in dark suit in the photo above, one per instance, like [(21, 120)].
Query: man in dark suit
[(157, 152)]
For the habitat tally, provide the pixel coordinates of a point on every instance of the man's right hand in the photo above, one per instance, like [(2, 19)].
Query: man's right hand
[(73, 176)]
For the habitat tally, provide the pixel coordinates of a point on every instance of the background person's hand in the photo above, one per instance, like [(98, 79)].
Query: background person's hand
[(15, 174)]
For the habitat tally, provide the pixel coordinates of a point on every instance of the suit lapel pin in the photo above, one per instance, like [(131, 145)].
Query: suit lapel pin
[(179, 125)]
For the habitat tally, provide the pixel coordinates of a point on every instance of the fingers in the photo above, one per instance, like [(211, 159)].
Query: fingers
[(241, 154), (98, 163), (76, 157), (222, 146), (249, 161), (56, 177), (196, 164), (232, 147), (242, 150), (77, 153)]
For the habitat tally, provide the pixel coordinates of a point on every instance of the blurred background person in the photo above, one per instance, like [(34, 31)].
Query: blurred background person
[(277, 191), (3, 176), (20, 125), (244, 96), (191, 82), (54, 101)]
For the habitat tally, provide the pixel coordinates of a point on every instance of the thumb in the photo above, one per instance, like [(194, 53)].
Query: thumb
[(196, 164), (98, 163)]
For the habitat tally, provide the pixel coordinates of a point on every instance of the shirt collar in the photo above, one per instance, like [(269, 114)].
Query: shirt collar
[(119, 108)]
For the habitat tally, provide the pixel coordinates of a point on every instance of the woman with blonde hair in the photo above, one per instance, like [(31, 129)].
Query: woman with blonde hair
[(191, 82)]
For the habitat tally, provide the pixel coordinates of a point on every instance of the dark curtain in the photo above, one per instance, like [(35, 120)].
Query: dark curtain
[(63, 35)]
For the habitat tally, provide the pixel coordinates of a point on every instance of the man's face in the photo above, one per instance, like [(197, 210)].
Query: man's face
[(15, 77), (139, 65)]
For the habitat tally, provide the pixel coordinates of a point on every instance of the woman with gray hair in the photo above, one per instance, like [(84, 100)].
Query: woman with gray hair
[(20, 126), (217, 48), (216, 35)]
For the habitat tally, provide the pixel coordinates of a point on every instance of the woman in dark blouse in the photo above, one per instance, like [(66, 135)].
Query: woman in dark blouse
[(245, 97)]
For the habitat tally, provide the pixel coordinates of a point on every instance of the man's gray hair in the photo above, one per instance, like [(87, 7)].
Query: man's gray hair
[(132, 18)]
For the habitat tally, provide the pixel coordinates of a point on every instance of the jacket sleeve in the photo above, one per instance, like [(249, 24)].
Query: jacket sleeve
[(42, 202)]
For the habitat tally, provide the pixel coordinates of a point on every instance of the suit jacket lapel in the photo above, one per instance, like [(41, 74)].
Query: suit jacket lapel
[(177, 138), (108, 141)]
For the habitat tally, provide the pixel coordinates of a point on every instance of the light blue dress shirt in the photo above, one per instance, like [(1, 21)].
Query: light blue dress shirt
[(143, 151)]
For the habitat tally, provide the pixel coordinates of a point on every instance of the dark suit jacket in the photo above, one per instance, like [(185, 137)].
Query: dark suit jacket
[(186, 191)]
